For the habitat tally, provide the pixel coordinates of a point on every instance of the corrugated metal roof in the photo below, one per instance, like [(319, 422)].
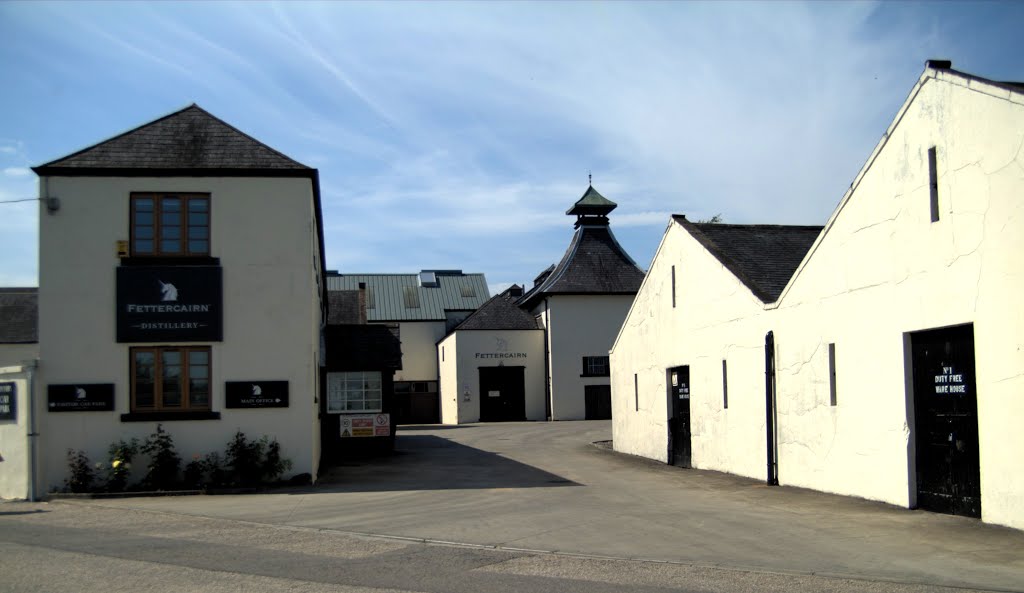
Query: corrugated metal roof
[(400, 297)]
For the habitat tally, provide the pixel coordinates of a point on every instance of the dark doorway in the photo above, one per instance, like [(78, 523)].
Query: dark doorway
[(598, 402), (502, 395), (946, 421), (679, 420)]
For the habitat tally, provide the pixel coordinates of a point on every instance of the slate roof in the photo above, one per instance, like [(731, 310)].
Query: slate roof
[(400, 297), (343, 308), (363, 347), (501, 312), (594, 263), (187, 140), (19, 315), (764, 257)]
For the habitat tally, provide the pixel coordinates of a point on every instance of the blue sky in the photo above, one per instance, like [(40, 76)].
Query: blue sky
[(456, 135)]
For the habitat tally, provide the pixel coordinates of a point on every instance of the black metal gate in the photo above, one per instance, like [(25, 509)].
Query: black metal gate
[(679, 452), (946, 421), (502, 394)]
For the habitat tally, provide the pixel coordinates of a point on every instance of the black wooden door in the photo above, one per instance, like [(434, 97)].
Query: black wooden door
[(597, 402), (946, 421), (679, 421), (502, 394)]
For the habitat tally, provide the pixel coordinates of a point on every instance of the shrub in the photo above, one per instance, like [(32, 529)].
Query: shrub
[(205, 472), (119, 463), (164, 462), (253, 463), (82, 475)]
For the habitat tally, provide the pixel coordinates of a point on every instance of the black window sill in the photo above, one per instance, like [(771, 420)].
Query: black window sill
[(198, 260), (168, 416), (596, 375)]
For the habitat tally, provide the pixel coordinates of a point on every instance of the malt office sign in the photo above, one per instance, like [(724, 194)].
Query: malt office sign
[(169, 304), (256, 394)]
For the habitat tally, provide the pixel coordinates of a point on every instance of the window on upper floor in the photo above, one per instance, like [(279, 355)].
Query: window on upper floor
[(595, 366), (170, 225), (174, 378)]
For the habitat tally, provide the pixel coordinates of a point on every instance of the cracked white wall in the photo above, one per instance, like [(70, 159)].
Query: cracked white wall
[(882, 269)]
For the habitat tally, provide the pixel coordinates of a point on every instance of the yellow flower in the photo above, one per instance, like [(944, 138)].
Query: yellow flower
[(116, 463)]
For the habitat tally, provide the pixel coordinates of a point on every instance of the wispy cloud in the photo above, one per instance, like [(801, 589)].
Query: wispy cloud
[(17, 171)]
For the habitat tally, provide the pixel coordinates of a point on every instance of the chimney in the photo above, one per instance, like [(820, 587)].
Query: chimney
[(362, 303), (938, 64)]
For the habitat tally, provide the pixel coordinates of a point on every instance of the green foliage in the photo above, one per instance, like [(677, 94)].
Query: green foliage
[(252, 463), (716, 219), (205, 472), (164, 462), (82, 475), (119, 463)]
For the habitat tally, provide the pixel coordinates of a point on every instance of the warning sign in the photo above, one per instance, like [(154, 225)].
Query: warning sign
[(365, 425)]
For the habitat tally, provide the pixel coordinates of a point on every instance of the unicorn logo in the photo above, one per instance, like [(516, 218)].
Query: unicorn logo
[(79, 393), (502, 345), (257, 390), (168, 291)]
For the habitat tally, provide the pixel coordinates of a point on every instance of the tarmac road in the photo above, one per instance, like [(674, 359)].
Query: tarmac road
[(538, 507)]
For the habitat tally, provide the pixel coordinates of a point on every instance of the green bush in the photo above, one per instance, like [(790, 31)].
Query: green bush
[(119, 464), (82, 475), (252, 463), (164, 462)]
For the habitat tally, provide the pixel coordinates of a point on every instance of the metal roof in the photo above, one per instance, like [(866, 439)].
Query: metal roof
[(402, 297)]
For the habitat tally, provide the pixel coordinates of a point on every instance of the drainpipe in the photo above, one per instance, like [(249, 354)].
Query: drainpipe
[(547, 363), (30, 367), (769, 407)]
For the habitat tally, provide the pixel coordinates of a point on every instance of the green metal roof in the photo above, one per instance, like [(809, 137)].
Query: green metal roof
[(592, 203), (415, 297)]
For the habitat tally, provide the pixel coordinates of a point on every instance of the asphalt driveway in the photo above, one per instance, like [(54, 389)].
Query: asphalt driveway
[(545, 487)]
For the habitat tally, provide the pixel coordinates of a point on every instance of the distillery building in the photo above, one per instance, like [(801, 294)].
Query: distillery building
[(422, 308), (878, 357), (577, 307), (181, 284)]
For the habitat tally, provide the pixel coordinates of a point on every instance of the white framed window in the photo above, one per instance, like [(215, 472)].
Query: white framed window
[(358, 391)]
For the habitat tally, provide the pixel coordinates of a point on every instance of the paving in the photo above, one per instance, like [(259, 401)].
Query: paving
[(533, 489)]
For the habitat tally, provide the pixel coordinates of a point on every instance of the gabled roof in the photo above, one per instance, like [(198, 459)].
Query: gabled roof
[(19, 315), (763, 256), (402, 297), (595, 263), (187, 140), (501, 312)]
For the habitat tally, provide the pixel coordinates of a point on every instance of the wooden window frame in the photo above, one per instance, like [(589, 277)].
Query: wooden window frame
[(186, 400), (183, 226)]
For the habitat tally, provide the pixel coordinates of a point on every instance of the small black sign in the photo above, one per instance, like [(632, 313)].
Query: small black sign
[(80, 397), (8, 400), (256, 394), (169, 304)]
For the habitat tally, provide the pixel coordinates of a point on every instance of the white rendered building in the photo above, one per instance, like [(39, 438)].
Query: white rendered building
[(882, 357), (180, 284)]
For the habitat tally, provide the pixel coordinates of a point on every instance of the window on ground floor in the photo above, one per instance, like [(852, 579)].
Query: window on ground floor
[(173, 378), (358, 391)]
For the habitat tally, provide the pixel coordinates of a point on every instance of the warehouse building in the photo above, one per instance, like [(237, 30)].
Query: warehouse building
[(880, 357)]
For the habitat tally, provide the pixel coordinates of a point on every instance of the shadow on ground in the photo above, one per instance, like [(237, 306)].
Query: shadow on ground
[(427, 462)]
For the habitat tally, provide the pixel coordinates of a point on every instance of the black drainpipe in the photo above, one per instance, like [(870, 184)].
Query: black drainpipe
[(547, 363), (769, 407)]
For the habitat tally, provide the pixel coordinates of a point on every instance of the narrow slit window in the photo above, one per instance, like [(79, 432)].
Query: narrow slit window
[(832, 374), (725, 386), (673, 287), (933, 183), (636, 393)]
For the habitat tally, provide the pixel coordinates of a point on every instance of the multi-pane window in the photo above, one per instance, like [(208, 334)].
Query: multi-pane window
[(353, 392), (595, 366), (173, 378), (170, 224)]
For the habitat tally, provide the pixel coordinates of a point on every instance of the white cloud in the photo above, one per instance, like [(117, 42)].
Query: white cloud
[(17, 171)]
